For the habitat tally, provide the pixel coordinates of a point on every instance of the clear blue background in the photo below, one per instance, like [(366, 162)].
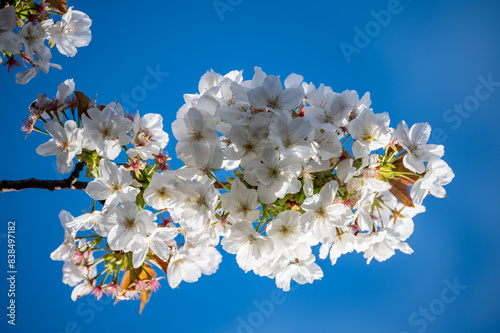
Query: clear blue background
[(425, 60)]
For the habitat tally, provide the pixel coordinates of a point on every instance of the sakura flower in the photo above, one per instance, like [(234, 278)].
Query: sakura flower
[(156, 242), (72, 274), (33, 38), (113, 185), (293, 81), (162, 192), (307, 174), (147, 135), (271, 96), (68, 247), (241, 203), (205, 159), (322, 215), (317, 97), (381, 245), (397, 216), (71, 32), (207, 258), (415, 143), (438, 174), (326, 145), (84, 288), (106, 130), (182, 268), (342, 243), (212, 79), (64, 90), (370, 131), (363, 208), (330, 110), (27, 75), (194, 127), (302, 272), (284, 229), (285, 233), (369, 172), (75, 269), (248, 245), (345, 170), (200, 204), (349, 104), (130, 226), (66, 143), (292, 137), (9, 41), (247, 143), (275, 177), (90, 221)]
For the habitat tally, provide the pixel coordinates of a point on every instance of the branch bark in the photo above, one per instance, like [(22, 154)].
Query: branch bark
[(70, 183)]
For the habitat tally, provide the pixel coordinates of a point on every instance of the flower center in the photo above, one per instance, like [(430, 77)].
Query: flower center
[(129, 224), (273, 102), (143, 138), (64, 145), (163, 193), (106, 132), (274, 172), (115, 188)]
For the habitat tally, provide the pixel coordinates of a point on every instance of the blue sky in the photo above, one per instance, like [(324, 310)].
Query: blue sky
[(430, 56)]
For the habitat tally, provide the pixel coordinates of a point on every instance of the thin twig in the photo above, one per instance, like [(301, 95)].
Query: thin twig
[(70, 183)]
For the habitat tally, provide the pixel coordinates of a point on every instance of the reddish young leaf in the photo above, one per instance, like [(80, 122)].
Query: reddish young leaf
[(145, 295), (83, 103), (407, 181), (163, 264), (401, 192), (59, 5)]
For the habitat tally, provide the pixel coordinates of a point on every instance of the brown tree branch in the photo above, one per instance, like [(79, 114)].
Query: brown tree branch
[(70, 183)]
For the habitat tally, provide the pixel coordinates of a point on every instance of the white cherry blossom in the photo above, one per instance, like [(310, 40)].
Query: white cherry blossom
[(66, 143)]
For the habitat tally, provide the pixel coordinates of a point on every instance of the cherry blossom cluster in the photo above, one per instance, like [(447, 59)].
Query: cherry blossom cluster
[(26, 25), (123, 232), (311, 167), (276, 175)]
